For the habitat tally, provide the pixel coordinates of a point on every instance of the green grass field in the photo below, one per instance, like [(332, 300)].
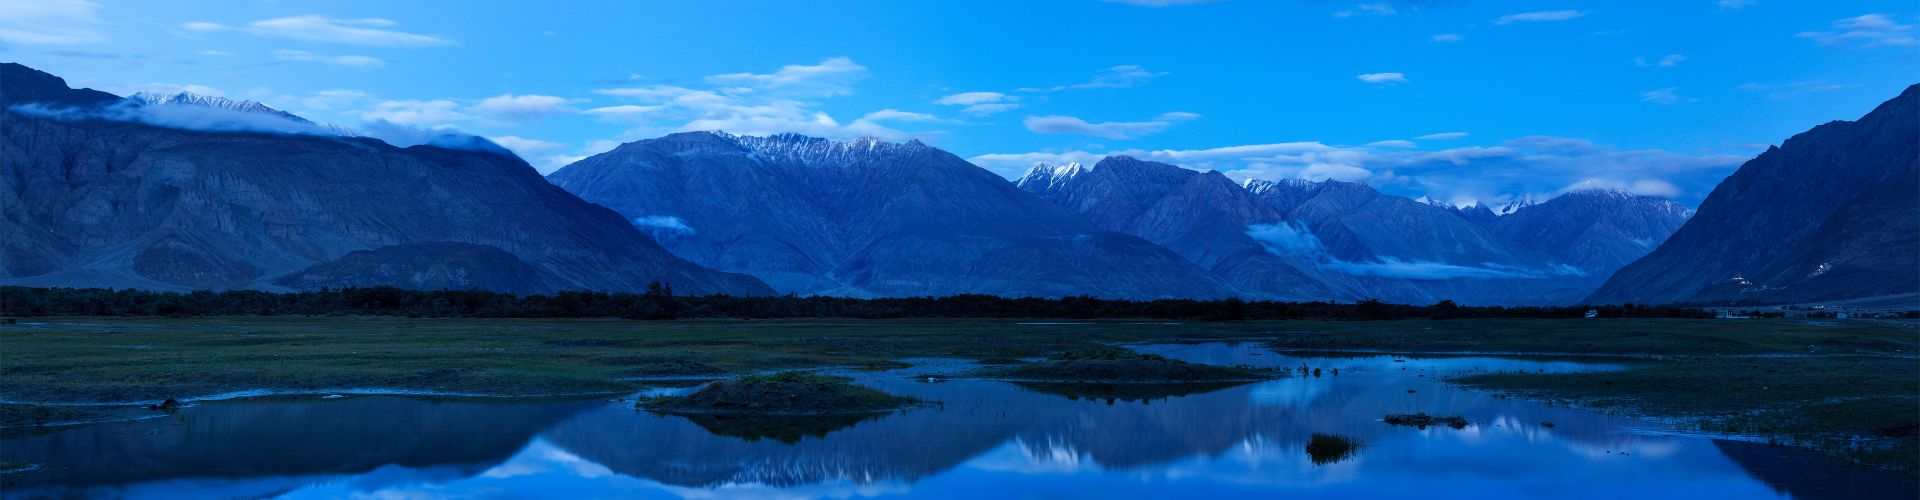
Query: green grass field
[(1806, 382)]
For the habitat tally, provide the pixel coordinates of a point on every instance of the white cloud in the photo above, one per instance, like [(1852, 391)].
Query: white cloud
[(980, 103), (1669, 95), (1735, 4), (527, 148), (665, 223), (347, 60), (1643, 187), (437, 113), (1669, 61), (325, 100), (1393, 143), (1441, 136), (1058, 124), (1447, 37), (1532, 17), (510, 106), (832, 77), (1123, 76), (545, 156), (49, 22), (1383, 78), (1794, 89), (1368, 9), (370, 32), (1865, 31), (755, 104)]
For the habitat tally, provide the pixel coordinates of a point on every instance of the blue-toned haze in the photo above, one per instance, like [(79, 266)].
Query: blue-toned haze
[(1460, 101)]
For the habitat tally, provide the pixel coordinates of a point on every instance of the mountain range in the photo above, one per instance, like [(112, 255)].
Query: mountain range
[(1343, 240), (869, 218), (184, 192), (94, 196)]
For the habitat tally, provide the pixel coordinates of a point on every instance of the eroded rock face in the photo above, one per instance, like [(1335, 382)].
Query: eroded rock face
[(1829, 214), (869, 218), (102, 202)]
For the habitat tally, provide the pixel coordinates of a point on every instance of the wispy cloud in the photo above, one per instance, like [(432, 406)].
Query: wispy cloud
[(1057, 124), (1448, 37), (756, 104), (1668, 61), (832, 77), (1735, 4), (1540, 16), (980, 103), (1368, 9), (511, 106), (434, 113), (1669, 95), (1795, 89), (1864, 32), (1443, 136), (346, 60), (1383, 78), (545, 156), (1123, 76), (371, 32), (50, 22)]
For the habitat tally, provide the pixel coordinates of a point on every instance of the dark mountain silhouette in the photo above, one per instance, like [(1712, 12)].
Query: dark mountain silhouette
[(92, 198), (869, 218), (1832, 213)]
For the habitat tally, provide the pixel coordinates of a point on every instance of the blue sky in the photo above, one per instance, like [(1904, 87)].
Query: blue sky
[(1459, 100)]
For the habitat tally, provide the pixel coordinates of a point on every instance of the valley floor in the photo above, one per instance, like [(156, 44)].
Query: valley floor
[(1845, 386)]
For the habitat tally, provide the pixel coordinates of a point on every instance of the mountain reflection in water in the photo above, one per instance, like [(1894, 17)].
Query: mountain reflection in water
[(982, 438)]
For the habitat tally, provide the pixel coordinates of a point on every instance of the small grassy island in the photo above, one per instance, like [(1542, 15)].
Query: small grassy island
[(785, 393), (1108, 365), (1422, 420), (1331, 448)]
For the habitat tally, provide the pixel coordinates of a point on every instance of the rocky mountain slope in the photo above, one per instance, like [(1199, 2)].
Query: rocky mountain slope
[(96, 198), (1202, 216), (869, 218), (1346, 241), (1832, 213)]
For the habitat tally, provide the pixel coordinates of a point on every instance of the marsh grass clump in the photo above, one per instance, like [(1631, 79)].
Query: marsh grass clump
[(1106, 364), (785, 393), (1422, 420), (1331, 448)]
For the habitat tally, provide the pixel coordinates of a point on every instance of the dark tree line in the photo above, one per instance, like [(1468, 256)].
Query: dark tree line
[(659, 302)]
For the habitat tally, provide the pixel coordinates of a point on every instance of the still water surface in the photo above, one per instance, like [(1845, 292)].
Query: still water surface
[(983, 439)]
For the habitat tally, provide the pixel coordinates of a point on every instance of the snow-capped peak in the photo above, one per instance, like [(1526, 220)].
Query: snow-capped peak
[(207, 101), (1262, 186), (1518, 203)]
